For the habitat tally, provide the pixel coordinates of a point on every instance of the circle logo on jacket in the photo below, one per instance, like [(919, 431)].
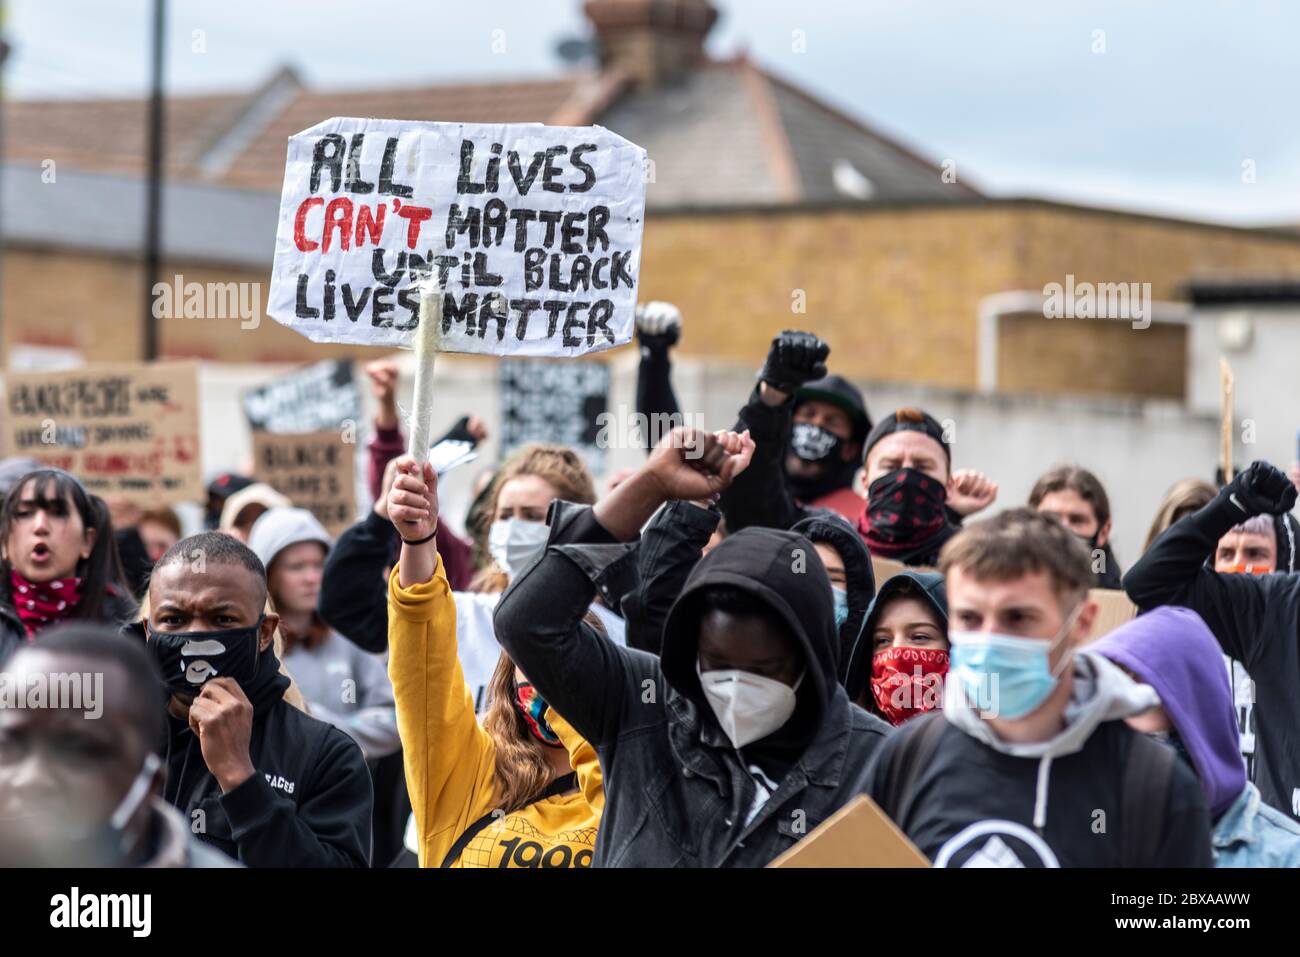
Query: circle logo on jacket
[(995, 843)]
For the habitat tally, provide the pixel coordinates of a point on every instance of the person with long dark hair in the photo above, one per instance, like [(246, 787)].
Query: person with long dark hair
[(58, 559)]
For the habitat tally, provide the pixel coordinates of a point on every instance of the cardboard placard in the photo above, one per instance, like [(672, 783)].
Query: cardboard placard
[(857, 835), (1113, 610), (548, 401), (886, 568), (128, 430), (533, 232), (321, 396), (316, 470)]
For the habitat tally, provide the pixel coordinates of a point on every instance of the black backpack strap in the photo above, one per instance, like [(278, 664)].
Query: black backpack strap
[(1147, 774), (559, 786), (908, 763)]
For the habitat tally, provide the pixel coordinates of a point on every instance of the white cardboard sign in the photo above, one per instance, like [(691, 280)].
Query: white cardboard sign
[(533, 231)]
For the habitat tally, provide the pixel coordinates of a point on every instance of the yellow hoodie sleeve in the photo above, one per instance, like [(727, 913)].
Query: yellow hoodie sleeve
[(582, 758), (449, 758)]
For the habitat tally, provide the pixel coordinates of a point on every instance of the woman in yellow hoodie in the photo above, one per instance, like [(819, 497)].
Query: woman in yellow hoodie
[(523, 789)]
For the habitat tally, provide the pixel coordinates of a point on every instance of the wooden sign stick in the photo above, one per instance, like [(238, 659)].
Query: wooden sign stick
[(426, 351), (1225, 408)]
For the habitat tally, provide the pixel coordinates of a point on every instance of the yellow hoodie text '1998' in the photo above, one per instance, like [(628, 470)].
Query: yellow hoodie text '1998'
[(450, 760)]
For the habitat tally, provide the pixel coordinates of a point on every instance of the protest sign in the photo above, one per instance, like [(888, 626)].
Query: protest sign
[(857, 835), (560, 402), (128, 430), (321, 396), (316, 470), (533, 232), (1113, 610), (886, 568)]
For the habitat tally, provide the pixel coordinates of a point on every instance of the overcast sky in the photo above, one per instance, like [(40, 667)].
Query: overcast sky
[(1156, 106)]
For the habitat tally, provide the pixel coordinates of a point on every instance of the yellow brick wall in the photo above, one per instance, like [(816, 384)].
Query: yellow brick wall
[(896, 291)]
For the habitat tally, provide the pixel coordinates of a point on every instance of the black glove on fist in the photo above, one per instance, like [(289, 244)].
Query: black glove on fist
[(1262, 489), (795, 358)]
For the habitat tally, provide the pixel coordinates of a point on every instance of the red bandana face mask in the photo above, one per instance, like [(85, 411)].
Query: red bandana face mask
[(908, 681), (40, 604)]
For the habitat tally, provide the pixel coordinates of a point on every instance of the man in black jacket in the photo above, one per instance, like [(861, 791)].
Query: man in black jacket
[(738, 740), (1256, 618), (808, 428), (914, 500), (256, 777), (1030, 763)]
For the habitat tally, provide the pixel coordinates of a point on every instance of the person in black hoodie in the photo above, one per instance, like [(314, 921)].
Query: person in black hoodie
[(673, 543), (848, 563), (256, 777), (1256, 618), (738, 740), (1030, 763), (808, 428), (914, 500), (1076, 497), (658, 327)]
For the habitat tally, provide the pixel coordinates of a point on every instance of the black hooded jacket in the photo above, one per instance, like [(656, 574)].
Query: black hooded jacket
[(860, 579), (670, 548), (1256, 619), (676, 792), (308, 803)]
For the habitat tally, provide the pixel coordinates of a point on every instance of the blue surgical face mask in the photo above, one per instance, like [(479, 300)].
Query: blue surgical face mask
[(1004, 675), (841, 605)]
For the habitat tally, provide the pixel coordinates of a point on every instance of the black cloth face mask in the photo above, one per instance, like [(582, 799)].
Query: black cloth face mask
[(190, 659), (812, 443), (905, 506)]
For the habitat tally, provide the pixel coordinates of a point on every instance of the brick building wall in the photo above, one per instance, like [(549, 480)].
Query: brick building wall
[(895, 290)]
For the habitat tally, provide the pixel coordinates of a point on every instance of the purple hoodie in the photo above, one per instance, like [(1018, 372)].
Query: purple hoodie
[(1172, 650)]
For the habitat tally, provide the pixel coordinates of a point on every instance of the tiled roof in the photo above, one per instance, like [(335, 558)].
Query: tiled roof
[(524, 101), (109, 135), (727, 133), (103, 212)]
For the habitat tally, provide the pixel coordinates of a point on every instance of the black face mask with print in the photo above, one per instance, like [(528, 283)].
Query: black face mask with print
[(813, 444), (905, 507), (190, 659)]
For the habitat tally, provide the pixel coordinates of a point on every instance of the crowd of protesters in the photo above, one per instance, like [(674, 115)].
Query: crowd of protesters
[(696, 668)]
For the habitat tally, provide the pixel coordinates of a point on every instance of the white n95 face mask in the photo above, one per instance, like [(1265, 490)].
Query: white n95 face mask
[(515, 543), (747, 706)]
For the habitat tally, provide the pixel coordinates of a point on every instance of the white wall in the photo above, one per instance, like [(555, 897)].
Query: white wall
[(1266, 370), (1137, 449)]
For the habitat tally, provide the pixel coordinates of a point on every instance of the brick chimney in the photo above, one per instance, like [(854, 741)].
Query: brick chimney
[(652, 41)]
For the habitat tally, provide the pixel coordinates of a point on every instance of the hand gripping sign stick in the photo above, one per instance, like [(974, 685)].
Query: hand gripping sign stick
[(426, 350)]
